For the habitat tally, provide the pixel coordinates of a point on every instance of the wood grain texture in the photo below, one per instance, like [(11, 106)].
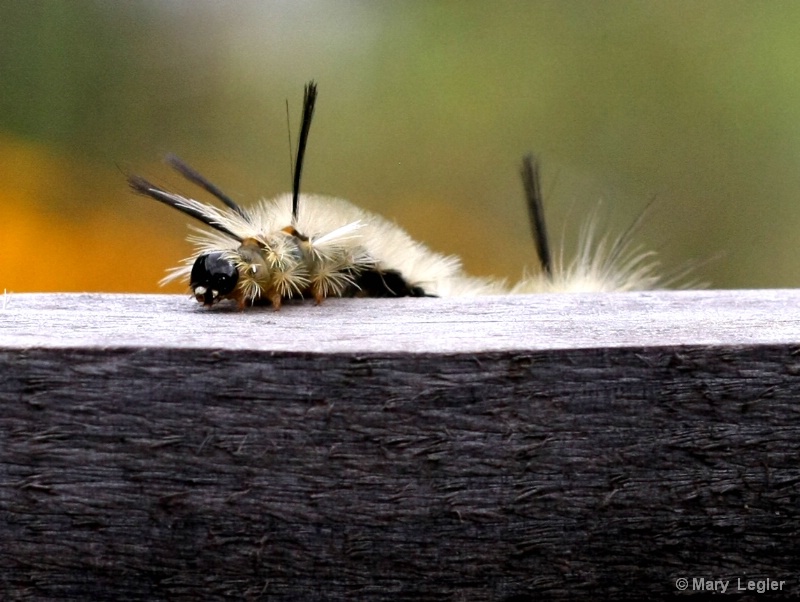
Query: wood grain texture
[(503, 448)]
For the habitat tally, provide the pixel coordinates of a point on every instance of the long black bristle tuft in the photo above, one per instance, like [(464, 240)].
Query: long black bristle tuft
[(309, 99), (533, 195), (141, 186), (195, 177)]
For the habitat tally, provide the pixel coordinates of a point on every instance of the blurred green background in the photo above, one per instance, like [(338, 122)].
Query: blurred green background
[(425, 110)]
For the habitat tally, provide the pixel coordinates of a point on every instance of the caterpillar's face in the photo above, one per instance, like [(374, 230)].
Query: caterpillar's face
[(213, 278)]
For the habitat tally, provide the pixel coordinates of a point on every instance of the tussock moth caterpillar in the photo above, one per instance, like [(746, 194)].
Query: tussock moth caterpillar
[(311, 246)]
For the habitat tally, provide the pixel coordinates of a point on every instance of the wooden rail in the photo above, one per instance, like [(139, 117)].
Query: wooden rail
[(499, 448)]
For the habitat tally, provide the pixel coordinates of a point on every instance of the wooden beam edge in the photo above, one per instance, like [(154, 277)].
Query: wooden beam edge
[(446, 325)]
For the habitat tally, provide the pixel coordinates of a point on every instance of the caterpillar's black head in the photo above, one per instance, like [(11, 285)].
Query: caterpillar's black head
[(213, 278)]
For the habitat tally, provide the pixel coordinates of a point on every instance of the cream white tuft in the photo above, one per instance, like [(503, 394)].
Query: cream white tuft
[(601, 265)]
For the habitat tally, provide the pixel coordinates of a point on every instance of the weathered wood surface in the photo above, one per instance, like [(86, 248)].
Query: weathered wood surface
[(521, 322), (547, 447)]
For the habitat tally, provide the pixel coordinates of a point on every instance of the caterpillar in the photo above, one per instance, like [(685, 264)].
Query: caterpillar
[(305, 246)]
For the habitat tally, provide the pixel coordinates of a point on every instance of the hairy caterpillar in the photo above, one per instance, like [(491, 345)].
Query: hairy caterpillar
[(310, 246)]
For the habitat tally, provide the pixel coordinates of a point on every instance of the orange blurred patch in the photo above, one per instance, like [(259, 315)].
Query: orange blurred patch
[(473, 236), (49, 242)]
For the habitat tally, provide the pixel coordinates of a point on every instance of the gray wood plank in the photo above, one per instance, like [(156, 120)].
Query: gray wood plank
[(503, 448), (406, 325)]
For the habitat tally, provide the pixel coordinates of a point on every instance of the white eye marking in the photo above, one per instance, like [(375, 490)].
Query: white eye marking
[(200, 290), (254, 268), (214, 294)]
